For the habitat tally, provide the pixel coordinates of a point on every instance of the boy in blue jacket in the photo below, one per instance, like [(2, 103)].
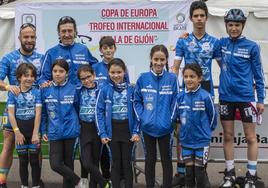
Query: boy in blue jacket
[(198, 119)]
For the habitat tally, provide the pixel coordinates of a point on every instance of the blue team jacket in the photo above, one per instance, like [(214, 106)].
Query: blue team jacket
[(154, 102), (200, 51), (104, 111), (59, 113), (198, 118), (240, 67), (10, 62), (76, 55)]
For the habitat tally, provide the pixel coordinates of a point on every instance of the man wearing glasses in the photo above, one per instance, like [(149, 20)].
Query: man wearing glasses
[(75, 54), (8, 65)]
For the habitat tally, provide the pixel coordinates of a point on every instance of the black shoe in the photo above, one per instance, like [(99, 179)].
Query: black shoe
[(228, 179), (178, 180)]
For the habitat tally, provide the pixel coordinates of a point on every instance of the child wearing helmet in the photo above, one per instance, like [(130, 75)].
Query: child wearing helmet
[(241, 68)]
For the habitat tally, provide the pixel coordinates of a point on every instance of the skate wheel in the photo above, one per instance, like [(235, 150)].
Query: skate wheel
[(236, 186)]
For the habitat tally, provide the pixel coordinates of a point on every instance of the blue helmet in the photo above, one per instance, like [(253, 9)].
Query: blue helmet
[(235, 15)]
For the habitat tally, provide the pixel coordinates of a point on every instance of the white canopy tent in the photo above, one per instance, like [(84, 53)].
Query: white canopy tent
[(256, 26)]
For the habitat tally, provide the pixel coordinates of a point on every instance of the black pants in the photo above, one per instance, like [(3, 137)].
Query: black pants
[(164, 143), (121, 155), (105, 162), (61, 158), (27, 155), (28, 152), (90, 155)]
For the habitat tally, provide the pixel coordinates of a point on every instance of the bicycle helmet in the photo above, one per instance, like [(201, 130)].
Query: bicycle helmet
[(235, 15)]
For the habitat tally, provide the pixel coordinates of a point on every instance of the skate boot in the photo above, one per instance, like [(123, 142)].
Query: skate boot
[(178, 180), (250, 180), (228, 179), (201, 177)]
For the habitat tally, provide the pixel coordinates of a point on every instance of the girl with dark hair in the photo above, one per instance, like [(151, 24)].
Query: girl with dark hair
[(60, 124), (90, 142), (116, 121), (152, 89), (198, 119)]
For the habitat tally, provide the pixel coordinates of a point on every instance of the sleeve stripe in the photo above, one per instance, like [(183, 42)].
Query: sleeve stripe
[(213, 116)]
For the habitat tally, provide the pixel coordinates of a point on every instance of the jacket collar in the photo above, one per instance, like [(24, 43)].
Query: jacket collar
[(194, 91), (157, 75), (66, 46), (239, 38), (63, 84)]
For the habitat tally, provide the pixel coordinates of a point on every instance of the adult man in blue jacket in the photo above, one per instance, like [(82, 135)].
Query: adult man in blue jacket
[(75, 54)]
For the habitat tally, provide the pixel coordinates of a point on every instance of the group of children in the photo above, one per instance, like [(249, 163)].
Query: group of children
[(112, 114), (107, 111)]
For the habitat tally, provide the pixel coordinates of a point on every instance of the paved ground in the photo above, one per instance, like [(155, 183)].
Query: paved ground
[(53, 180)]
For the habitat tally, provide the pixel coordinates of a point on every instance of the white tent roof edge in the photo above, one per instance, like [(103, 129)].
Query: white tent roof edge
[(215, 7)]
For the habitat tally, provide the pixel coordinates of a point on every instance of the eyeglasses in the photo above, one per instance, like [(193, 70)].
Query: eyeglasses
[(85, 78), (25, 25), (66, 18)]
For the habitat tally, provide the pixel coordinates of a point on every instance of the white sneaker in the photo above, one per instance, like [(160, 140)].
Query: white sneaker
[(22, 186), (83, 183), (36, 186)]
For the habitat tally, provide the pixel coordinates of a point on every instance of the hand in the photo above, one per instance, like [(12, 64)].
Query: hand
[(260, 108), (14, 89), (184, 35), (19, 138), (105, 140), (135, 138), (35, 139), (46, 84), (45, 138)]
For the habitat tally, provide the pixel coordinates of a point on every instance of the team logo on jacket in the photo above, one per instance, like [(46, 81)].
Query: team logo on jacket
[(224, 67), (149, 98), (205, 46), (52, 115), (191, 46), (183, 120), (149, 106)]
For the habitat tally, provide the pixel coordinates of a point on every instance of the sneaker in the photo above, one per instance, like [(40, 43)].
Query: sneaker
[(81, 184), (178, 179), (36, 186), (22, 186), (228, 179), (85, 182), (108, 185), (250, 180)]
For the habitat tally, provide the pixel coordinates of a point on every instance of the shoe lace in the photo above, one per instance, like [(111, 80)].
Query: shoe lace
[(228, 175), (251, 179)]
